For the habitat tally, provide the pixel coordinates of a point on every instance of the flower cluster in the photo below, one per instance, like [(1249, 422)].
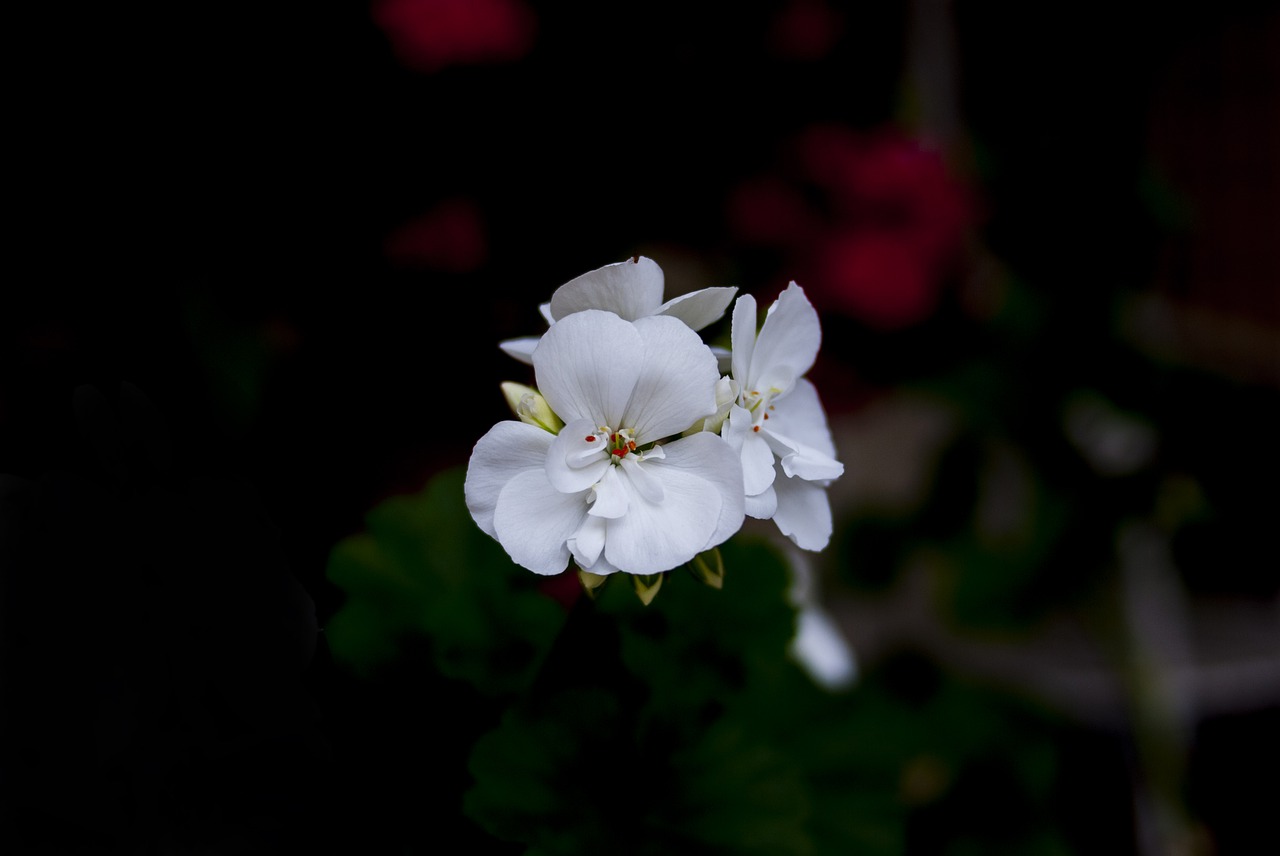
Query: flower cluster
[(640, 446)]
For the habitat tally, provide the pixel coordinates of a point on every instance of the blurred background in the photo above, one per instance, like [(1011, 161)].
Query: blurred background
[(259, 260)]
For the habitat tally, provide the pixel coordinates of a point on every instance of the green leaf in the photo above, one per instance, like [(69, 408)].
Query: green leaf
[(423, 570)]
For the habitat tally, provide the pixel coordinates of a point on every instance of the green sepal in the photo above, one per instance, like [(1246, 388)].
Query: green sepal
[(647, 586), (708, 568), (591, 583)]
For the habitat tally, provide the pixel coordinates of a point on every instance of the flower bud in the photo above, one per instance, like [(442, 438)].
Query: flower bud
[(726, 395), (531, 408)]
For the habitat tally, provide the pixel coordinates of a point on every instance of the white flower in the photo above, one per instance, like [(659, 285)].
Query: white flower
[(612, 489), (778, 424), (632, 290)]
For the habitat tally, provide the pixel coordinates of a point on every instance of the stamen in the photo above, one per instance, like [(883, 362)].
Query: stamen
[(590, 438)]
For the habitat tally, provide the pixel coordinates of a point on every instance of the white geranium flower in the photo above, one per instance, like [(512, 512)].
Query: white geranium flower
[(612, 489), (778, 424), (632, 290)]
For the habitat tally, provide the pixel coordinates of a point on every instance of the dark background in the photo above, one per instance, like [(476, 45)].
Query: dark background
[(204, 205)]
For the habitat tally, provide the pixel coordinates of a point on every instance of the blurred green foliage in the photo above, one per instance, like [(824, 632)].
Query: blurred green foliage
[(684, 726), (422, 569)]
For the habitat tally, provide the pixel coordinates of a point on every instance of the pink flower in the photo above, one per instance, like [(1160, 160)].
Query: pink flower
[(448, 238), (875, 277), (428, 35), (875, 222)]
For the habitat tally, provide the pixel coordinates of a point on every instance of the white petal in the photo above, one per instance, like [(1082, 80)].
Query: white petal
[(699, 308), (545, 310), (642, 479), (677, 382), (612, 495), (800, 415), (737, 426), (801, 461), (804, 513), (520, 349), (710, 458), (601, 565), (534, 521), (763, 505), (742, 337), (757, 458), (587, 543), (508, 449), (822, 649), (656, 537), (798, 433), (788, 342), (587, 365), (574, 462), (632, 289)]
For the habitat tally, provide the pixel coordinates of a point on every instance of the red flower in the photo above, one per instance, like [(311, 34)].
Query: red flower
[(448, 238), (875, 223), (429, 35), (875, 277)]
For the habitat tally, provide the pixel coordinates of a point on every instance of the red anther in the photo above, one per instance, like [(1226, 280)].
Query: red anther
[(613, 438), (766, 416), (755, 427), (631, 444), (590, 438), (619, 452)]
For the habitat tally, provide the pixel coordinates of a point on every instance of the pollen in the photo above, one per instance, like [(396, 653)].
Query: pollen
[(590, 438), (755, 428)]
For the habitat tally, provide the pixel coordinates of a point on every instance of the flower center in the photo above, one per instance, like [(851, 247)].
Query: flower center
[(619, 443), (759, 403)]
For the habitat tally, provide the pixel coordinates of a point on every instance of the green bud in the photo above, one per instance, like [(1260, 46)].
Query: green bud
[(708, 568), (531, 408), (591, 582), (647, 586)]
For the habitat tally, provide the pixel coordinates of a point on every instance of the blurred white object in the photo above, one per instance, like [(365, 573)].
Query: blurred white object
[(819, 646)]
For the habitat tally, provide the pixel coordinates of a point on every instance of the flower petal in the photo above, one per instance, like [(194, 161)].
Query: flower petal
[(742, 335), (799, 435), (789, 340), (804, 513), (804, 462), (762, 505), (710, 458), (697, 309), (588, 542), (574, 462), (612, 495), (677, 382), (800, 415), (508, 449), (757, 457), (521, 349), (642, 478), (656, 537), (587, 365), (534, 521), (631, 289)]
